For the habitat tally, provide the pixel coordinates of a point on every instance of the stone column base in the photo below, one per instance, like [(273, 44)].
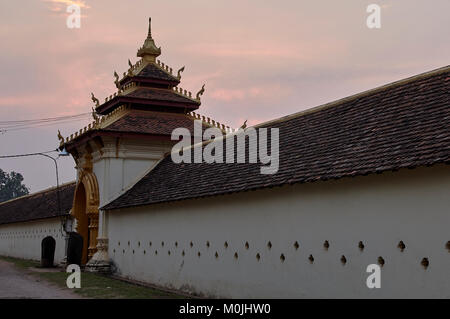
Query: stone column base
[(98, 266), (100, 261), (63, 263)]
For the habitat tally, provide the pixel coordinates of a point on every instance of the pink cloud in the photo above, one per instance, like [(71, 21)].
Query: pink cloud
[(66, 3), (224, 50), (25, 100), (307, 49), (59, 7), (256, 92)]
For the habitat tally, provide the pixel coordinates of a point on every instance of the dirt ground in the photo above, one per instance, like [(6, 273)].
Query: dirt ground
[(16, 283)]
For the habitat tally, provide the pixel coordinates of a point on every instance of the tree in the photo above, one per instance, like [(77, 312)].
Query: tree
[(11, 186)]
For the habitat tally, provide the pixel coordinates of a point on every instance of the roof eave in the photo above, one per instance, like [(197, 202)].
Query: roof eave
[(83, 139), (120, 100), (148, 80)]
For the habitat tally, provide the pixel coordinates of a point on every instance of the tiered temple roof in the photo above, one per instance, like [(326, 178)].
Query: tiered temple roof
[(148, 101), (150, 84)]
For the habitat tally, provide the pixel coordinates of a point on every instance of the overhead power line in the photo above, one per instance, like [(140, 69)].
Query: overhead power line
[(6, 126), (29, 154), (22, 127), (45, 119)]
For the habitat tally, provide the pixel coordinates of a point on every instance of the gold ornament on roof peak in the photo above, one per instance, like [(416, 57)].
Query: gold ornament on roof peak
[(95, 100), (179, 72), (149, 51), (200, 93), (116, 81), (60, 138), (130, 69), (94, 115)]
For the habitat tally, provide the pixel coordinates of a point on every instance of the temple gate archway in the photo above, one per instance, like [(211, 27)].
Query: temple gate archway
[(85, 211)]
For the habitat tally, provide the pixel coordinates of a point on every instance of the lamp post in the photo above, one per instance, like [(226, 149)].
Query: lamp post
[(57, 181), (63, 219)]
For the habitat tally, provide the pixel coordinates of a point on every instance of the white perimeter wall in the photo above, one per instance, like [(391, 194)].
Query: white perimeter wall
[(23, 240), (148, 243), (114, 175), (118, 165)]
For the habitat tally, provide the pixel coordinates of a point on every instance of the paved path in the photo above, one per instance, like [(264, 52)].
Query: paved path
[(16, 283)]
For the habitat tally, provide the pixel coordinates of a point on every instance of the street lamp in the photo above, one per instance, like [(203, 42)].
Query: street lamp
[(61, 153), (64, 219)]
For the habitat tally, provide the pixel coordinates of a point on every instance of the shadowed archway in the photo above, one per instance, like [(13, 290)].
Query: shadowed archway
[(85, 211)]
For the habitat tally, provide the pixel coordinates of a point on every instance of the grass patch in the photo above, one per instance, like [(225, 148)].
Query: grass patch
[(21, 263), (93, 285), (99, 286)]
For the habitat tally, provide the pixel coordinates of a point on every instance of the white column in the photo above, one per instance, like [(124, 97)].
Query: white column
[(100, 261)]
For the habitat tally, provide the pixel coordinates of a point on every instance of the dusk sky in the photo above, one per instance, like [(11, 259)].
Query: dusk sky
[(260, 60)]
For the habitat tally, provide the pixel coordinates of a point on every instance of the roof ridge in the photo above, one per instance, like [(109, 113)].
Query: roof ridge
[(47, 190), (165, 68), (145, 111), (136, 68), (113, 116), (99, 123), (355, 96), (140, 65), (210, 122), (184, 93)]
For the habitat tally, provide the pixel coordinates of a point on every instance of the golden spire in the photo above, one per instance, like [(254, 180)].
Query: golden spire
[(149, 35), (149, 51)]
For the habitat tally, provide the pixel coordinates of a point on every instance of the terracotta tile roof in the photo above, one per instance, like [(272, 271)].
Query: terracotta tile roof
[(157, 123), (160, 95), (151, 98), (38, 205), (154, 72), (134, 122), (401, 125)]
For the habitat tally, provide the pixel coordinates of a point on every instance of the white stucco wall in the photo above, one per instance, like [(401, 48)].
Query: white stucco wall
[(23, 240), (114, 175), (379, 210), (120, 164)]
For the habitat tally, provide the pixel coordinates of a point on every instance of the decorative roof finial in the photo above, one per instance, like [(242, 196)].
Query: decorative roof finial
[(244, 126), (116, 81), (200, 93), (179, 72), (149, 51), (130, 67), (94, 115), (60, 138), (95, 100)]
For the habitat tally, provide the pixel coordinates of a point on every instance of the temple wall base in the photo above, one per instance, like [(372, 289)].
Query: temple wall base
[(100, 263)]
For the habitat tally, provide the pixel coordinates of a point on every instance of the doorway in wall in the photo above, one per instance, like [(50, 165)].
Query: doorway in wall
[(85, 211)]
